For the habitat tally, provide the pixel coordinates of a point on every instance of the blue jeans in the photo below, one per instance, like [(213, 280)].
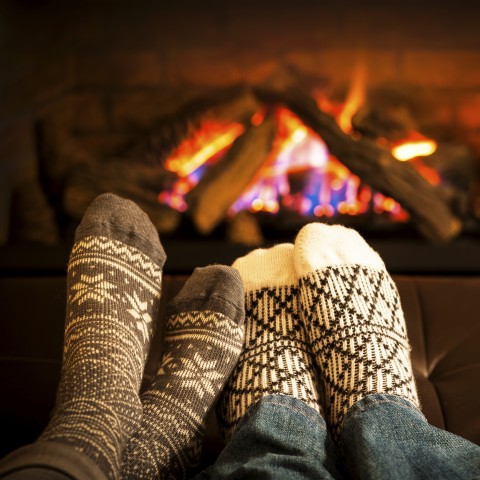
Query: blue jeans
[(383, 437), (280, 437)]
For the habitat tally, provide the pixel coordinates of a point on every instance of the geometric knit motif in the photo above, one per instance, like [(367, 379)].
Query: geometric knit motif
[(201, 350), (275, 358), (358, 335), (113, 292)]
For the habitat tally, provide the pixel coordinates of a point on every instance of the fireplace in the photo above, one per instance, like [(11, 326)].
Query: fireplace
[(233, 126)]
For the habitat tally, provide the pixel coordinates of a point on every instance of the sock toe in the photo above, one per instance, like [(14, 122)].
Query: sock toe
[(267, 267), (319, 245), (114, 217), (217, 288)]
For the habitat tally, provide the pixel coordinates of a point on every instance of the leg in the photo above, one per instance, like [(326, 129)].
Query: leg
[(114, 283), (279, 437), (270, 407), (203, 339), (392, 431), (356, 326)]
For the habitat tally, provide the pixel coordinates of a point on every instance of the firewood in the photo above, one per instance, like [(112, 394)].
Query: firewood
[(230, 107), (244, 228), (225, 181), (428, 205), (140, 184)]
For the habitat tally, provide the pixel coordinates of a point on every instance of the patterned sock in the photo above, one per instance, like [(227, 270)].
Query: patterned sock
[(204, 337), (114, 282), (353, 315), (275, 358)]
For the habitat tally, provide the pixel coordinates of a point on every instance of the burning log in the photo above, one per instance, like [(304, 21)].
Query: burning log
[(226, 180), (429, 206), (244, 229), (239, 107), (138, 184)]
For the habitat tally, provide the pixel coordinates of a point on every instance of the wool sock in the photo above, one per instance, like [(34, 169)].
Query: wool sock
[(204, 337), (275, 358), (353, 315), (113, 291)]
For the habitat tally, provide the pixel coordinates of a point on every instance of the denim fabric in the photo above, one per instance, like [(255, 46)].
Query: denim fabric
[(383, 437), (386, 437), (279, 438)]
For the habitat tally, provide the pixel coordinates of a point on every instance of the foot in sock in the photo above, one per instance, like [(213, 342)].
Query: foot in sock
[(113, 291), (204, 337), (352, 312), (275, 358)]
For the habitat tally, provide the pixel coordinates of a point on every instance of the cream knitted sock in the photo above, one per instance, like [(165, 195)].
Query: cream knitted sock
[(275, 358), (352, 312)]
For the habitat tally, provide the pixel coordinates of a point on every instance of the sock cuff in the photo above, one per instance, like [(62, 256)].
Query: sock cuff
[(318, 246), (272, 267)]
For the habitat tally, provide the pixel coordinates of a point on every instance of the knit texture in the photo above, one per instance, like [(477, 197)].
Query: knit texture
[(354, 319), (275, 358), (113, 292), (204, 336)]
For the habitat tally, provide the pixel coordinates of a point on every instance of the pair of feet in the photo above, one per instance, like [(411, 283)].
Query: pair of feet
[(319, 320), (323, 323)]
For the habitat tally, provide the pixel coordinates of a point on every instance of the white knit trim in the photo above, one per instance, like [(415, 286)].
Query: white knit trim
[(319, 245), (271, 267)]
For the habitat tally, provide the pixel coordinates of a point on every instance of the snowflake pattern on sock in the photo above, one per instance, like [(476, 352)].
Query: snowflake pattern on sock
[(113, 291), (201, 349)]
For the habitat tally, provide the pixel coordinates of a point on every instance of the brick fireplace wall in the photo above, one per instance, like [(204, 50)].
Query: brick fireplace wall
[(115, 67)]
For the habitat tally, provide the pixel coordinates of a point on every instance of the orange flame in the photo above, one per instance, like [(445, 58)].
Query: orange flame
[(355, 98), (329, 187), (210, 139)]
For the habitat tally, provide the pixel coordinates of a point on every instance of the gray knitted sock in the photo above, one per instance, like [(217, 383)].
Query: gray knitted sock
[(204, 336), (114, 283), (353, 315)]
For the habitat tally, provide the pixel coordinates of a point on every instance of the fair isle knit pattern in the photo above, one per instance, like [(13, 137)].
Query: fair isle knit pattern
[(113, 293), (201, 350), (357, 331), (275, 358)]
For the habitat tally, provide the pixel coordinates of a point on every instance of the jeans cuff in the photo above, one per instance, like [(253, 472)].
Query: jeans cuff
[(375, 399), (286, 401)]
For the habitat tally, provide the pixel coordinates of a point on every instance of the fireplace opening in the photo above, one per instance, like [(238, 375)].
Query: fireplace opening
[(291, 177), (231, 135)]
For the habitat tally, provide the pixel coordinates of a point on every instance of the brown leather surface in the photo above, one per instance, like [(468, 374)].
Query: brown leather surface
[(443, 320)]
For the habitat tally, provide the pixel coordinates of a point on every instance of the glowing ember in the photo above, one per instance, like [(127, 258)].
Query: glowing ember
[(420, 148)]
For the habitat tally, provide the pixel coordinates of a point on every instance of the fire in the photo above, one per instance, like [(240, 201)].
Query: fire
[(210, 139), (300, 174), (328, 187), (412, 149), (355, 97), (195, 154), (343, 112)]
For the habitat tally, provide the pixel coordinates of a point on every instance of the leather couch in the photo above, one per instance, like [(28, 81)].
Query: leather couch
[(442, 313)]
